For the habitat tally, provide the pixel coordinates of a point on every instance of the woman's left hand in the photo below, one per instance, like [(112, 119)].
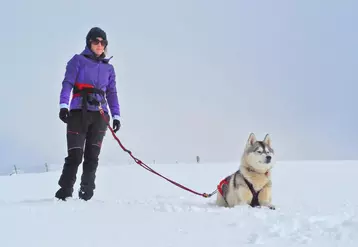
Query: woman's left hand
[(116, 125)]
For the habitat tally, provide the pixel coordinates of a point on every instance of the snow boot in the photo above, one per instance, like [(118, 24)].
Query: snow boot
[(64, 193), (85, 194)]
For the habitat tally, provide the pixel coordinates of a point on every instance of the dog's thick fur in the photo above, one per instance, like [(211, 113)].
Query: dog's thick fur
[(255, 169)]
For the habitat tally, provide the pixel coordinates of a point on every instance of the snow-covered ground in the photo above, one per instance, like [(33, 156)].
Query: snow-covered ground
[(316, 206)]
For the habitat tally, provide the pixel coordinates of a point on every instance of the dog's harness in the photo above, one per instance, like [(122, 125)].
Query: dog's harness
[(224, 184), (223, 187), (255, 194)]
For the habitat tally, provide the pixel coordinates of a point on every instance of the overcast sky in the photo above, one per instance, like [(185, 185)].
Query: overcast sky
[(194, 77)]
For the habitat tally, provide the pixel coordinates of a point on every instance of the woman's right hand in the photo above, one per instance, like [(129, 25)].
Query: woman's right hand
[(64, 114)]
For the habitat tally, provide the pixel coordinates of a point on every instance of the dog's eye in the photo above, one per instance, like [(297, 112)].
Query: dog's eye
[(259, 151)]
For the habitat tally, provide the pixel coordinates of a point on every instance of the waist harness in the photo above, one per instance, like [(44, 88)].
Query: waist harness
[(85, 90), (224, 184)]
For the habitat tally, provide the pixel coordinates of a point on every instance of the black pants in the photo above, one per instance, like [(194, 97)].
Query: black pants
[(83, 140)]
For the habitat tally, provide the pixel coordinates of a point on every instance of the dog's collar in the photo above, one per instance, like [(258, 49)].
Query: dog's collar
[(253, 170)]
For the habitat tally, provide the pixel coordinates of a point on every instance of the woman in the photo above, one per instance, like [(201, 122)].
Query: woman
[(92, 81)]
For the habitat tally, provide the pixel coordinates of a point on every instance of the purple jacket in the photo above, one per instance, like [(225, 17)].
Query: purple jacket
[(83, 69)]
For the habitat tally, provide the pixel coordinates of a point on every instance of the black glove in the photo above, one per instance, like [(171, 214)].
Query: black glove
[(64, 114), (116, 125)]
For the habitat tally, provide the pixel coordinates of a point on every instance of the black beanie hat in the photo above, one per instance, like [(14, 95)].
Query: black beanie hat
[(94, 33)]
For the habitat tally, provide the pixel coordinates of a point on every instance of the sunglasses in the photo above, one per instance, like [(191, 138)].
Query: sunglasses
[(97, 41)]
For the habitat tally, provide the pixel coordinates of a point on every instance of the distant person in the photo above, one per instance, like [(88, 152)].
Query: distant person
[(92, 81)]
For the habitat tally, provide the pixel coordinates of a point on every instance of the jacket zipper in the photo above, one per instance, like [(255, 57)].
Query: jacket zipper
[(98, 84)]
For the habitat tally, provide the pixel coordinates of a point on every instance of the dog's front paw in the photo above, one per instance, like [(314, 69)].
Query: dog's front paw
[(269, 205)]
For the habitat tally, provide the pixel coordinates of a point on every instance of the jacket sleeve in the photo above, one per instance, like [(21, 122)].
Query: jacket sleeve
[(68, 81), (111, 95)]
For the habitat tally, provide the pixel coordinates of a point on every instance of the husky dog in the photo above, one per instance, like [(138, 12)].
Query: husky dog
[(251, 183)]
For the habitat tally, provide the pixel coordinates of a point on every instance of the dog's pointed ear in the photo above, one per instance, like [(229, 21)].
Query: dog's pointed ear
[(251, 140), (267, 140)]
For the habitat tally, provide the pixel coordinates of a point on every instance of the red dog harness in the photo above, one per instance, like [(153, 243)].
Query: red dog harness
[(222, 186)]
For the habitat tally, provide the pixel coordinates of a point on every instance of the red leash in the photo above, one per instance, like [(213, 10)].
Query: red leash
[(139, 162)]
